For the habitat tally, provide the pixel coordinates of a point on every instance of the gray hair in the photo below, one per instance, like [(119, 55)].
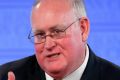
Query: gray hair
[(78, 7)]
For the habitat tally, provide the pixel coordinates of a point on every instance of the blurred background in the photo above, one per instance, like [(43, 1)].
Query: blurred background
[(15, 25)]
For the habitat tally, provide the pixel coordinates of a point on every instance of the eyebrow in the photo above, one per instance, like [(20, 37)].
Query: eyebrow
[(62, 27), (36, 31), (57, 27)]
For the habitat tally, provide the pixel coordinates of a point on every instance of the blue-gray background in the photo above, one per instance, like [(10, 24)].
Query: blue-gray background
[(15, 25)]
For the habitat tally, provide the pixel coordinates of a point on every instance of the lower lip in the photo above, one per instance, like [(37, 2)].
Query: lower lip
[(53, 58)]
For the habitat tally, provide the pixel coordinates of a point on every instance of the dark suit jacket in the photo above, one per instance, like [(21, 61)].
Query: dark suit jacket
[(28, 69)]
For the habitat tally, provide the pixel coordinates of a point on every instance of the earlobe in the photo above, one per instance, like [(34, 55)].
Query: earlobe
[(84, 25)]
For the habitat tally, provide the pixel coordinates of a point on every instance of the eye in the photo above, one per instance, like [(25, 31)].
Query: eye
[(40, 34), (57, 31)]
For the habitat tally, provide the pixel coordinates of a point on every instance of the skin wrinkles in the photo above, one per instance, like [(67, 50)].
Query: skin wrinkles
[(59, 57)]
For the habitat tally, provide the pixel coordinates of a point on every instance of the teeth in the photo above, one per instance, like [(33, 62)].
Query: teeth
[(54, 55)]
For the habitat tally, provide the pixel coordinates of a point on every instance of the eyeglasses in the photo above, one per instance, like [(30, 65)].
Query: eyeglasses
[(40, 37)]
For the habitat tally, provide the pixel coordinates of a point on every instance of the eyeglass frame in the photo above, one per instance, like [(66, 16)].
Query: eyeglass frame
[(44, 37)]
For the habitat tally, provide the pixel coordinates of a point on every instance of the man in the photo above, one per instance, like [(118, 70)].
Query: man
[(60, 30)]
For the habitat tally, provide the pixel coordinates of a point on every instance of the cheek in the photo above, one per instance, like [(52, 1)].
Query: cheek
[(38, 48), (39, 55), (73, 51), (38, 52), (67, 48), (68, 44), (71, 45)]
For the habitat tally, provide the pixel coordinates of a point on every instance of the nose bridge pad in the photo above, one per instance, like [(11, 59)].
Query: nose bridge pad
[(49, 42)]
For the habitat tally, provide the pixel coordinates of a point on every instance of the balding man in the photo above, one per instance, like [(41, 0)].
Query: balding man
[(60, 29)]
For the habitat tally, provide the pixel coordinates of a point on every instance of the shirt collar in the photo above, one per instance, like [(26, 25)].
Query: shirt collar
[(77, 74)]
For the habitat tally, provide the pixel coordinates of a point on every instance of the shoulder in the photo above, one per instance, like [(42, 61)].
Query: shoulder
[(108, 69), (107, 64), (102, 69), (18, 65)]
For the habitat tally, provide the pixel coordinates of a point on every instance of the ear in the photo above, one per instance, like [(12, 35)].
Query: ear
[(85, 28)]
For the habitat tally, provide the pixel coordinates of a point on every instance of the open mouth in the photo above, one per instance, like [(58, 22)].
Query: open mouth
[(55, 55)]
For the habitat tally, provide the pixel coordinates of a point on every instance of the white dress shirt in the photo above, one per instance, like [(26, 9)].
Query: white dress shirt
[(77, 74)]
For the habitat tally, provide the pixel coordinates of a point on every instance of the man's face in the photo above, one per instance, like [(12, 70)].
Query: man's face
[(58, 57)]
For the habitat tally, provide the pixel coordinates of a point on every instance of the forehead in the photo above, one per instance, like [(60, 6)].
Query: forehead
[(51, 13), (53, 4)]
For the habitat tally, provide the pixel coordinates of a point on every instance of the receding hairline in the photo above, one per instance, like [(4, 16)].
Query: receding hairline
[(77, 5)]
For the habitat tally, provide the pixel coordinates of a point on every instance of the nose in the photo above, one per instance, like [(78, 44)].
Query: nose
[(49, 43)]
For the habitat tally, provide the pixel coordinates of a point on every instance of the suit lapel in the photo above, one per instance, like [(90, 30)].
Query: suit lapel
[(35, 72), (92, 71), (39, 73)]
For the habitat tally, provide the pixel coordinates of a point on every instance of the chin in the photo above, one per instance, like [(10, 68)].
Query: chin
[(56, 71)]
